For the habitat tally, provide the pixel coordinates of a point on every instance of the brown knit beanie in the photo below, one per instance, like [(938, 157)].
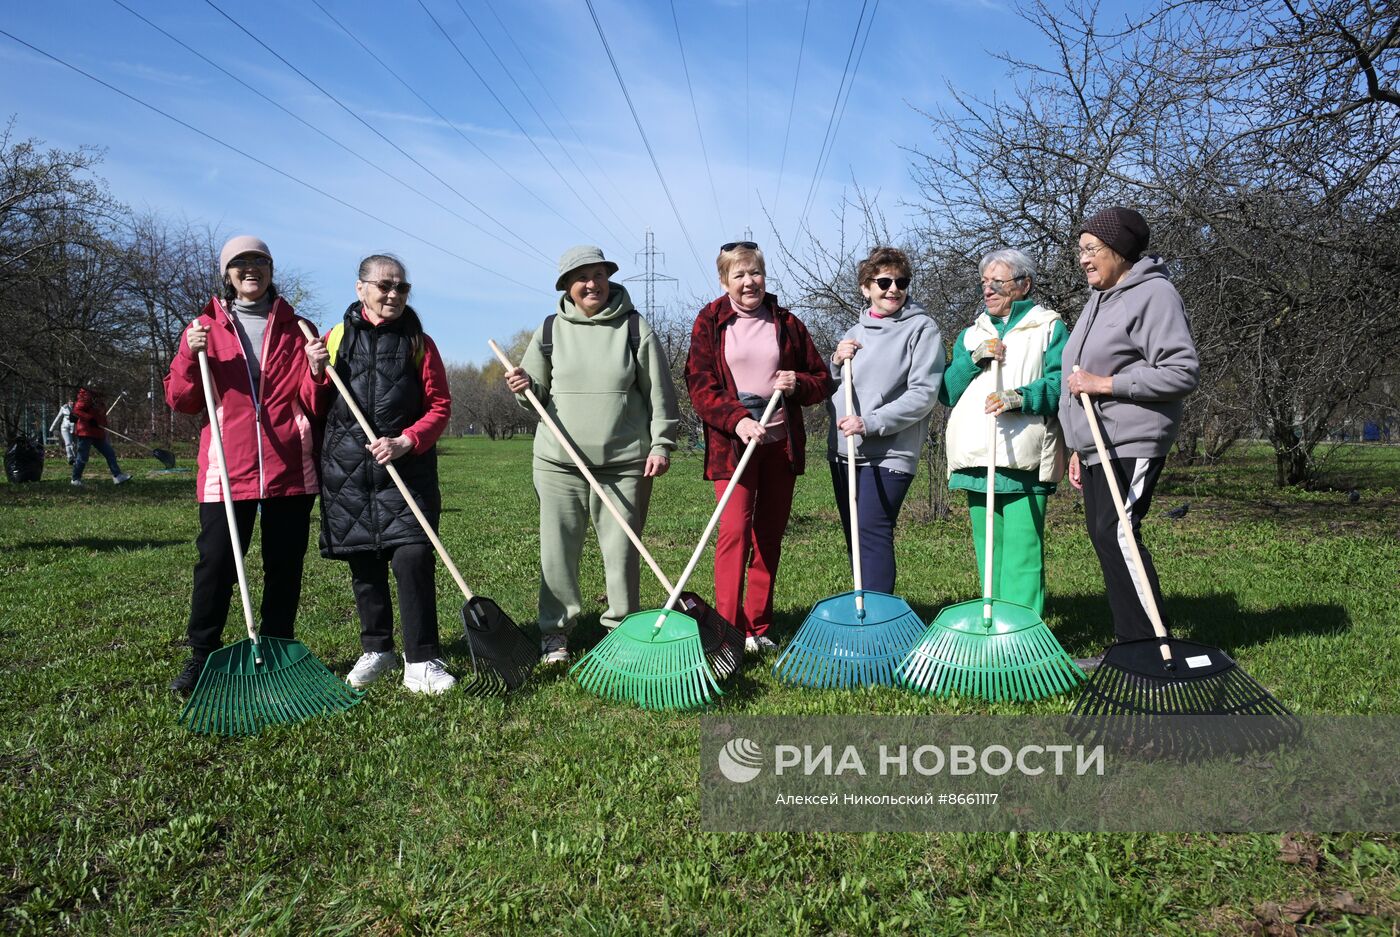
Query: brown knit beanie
[(1122, 229)]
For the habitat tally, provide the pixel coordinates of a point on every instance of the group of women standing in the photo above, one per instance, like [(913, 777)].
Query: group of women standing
[(601, 373)]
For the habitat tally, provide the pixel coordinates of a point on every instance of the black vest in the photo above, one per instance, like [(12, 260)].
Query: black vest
[(361, 508)]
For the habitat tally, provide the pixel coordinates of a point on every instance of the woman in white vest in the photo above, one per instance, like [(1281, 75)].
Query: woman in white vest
[(1028, 340)]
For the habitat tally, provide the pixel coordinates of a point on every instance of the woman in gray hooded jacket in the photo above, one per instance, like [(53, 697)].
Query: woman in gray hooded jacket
[(898, 353), (1132, 345)]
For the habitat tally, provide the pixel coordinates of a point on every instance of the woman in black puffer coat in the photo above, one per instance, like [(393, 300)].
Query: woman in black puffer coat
[(397, 377)]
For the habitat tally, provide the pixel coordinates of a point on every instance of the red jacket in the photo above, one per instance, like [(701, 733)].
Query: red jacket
[(715, 397), (271, 454), (88, 416)]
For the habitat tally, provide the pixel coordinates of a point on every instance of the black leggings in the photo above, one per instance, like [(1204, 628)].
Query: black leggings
[(413, 571), (286, 525)]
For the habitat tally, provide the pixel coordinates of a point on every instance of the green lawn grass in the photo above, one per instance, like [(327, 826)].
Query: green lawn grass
[(556, 812)]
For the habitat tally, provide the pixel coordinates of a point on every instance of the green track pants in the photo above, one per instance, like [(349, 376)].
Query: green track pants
[(567, 506), (1018, 551)]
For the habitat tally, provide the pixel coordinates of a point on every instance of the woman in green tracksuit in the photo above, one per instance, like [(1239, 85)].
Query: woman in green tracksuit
[(602, 375), (1028, 340)]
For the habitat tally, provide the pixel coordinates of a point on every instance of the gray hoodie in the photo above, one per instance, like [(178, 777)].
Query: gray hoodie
[(1137, 331), (898, 370)]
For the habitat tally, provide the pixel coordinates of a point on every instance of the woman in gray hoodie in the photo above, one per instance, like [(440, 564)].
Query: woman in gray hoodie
[(1136, 359), (898, 354)]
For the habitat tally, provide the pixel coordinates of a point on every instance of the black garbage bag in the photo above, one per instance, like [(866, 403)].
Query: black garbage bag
[(24, 459)]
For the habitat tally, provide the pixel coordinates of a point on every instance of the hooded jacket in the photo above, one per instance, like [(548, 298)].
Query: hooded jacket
[(88, 416), (715, 396), (269, 437), (898, 370), (1138, 332), (615, 410), (401, 391)]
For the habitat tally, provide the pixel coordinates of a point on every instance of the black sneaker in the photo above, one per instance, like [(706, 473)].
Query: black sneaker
[(184, 684)]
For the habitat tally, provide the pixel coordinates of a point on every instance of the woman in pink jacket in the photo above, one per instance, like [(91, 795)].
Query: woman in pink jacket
[(265, 393)]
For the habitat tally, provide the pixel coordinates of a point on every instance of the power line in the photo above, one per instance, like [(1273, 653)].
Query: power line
[(368, 126), (587, 151), (782, 164), (548, 129), (835, 106), (645, 142), (311, 126), (694, 110), (856, 70), (469, 141), (460, 54), (225, 145)]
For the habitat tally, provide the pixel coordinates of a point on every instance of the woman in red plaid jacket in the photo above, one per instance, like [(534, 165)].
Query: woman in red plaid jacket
[(743, 347)]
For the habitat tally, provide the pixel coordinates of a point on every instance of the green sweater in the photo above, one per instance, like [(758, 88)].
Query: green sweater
[(615, 411), (1040, 397)]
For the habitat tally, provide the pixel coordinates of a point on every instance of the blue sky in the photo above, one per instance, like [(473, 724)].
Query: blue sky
[(605, 191)]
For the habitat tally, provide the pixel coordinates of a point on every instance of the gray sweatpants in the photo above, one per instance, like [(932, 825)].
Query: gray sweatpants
[(567, 505)]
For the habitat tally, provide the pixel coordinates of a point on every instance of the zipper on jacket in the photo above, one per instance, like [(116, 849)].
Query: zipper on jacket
[(372, 406), (255, 391)]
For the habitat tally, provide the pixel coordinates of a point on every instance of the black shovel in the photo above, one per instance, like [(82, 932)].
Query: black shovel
[(503, 656)]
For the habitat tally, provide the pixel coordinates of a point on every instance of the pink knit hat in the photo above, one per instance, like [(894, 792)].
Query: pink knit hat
[(243, 244)]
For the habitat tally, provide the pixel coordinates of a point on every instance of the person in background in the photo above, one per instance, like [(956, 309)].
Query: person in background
[(1137, 362), (266, 393), (1027, 340), (743, 347), (898, 354), (90, 427), (601, 374), (394, 371)]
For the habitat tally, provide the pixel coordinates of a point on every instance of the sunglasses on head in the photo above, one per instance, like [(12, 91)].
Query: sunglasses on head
[(747, 245), (250, 260), (388, 286), (899, 283)]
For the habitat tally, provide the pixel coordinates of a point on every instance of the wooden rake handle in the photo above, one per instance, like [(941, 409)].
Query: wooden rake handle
[(719, 509), (1149, 600), (854, 524), (216, 441), (583, 467), (371, 435), (988, 540)]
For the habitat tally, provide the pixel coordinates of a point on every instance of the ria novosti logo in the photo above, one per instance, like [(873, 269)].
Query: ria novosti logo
[(740, 760)]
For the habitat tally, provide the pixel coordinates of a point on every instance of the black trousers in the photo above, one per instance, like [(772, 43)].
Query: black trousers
[(413, 572), (1137, 479), (286, 525)]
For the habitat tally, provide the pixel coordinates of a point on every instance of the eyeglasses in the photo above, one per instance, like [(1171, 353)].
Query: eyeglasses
[(746, 245), (1092, 251), (899, 283), (389, 286), (251, 260), (999, 286)]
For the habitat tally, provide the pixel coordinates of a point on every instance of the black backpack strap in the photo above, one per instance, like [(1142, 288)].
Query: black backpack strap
[(634, 333), (547, 336)]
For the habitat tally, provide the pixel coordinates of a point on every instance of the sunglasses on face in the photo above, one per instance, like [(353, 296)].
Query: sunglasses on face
[(899, 283), (747, 245), (390, 286), (253, 260), (1001, 286)]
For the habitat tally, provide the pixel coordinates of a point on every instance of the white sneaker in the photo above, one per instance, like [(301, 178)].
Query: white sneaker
[(121, 479), (758, 645), (429, 676), (76, 482), (370, 667), (554, 649)]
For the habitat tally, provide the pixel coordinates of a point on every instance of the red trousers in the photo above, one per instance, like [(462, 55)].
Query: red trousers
[(751, 539)]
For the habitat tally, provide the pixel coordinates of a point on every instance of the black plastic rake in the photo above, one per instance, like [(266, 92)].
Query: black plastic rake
[(1162, 676)]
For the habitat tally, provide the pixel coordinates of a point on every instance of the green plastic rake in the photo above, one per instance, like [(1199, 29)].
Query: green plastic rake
[(654, 658), (258, 681), (989, 648)]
